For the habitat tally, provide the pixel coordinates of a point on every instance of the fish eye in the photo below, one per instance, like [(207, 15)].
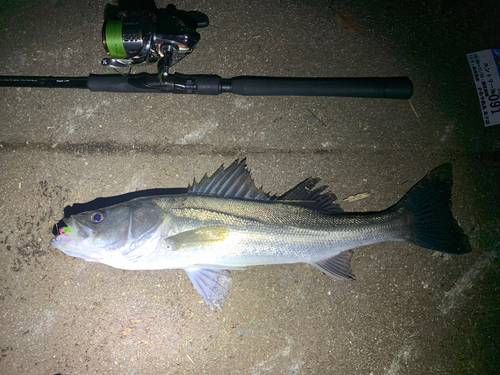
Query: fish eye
[(96, 217)]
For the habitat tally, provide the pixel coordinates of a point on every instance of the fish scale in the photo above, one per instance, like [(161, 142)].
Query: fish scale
[(268, 231)]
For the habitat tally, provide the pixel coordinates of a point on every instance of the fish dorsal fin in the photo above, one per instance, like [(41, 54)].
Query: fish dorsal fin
[(233, 182), (305, 195)]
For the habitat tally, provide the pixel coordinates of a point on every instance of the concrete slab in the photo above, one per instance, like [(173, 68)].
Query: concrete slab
[(409, 312)]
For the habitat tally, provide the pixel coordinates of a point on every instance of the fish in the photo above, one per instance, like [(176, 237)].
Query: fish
[(225, 222)]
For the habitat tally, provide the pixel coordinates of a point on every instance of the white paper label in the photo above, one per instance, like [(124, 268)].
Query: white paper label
[(485, 66)]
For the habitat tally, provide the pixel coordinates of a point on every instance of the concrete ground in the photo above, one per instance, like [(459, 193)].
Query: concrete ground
[(411, 311)]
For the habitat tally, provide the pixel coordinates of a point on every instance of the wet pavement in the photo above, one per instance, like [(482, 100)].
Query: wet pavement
[(410, 311)]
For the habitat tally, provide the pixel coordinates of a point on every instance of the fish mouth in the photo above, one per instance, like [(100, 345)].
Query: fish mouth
[(75, 225), (74, 240), (71, 234), (74, 229)]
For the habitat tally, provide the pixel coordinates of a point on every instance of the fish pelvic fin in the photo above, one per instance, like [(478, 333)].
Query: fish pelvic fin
[(337, 266), (213, 284), (428, 208)]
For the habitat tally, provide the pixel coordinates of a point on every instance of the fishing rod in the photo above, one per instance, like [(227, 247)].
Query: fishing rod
[(136, 32)]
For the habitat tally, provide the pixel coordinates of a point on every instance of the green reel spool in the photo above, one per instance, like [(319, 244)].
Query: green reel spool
[(112, 38)]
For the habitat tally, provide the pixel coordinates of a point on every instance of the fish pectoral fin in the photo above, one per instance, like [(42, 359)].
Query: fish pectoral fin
[(213, 284), (198, 237), (338, 266)]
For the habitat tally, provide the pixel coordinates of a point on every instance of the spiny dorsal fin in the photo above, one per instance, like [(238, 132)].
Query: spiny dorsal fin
[(233, 182), (305, 195)]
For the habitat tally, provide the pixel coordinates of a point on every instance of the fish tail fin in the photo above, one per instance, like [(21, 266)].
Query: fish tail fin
[(428, 209)]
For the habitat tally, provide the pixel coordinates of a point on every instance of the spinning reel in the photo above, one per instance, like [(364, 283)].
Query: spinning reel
[(137, 32)]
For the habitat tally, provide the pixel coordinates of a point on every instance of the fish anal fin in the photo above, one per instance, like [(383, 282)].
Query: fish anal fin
[(198, 237), (213, 284), (338, 266)]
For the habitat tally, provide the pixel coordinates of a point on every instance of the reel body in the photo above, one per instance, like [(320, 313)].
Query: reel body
[(137, 32)]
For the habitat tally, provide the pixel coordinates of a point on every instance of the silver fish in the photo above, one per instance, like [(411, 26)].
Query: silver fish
[(225, 222)]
